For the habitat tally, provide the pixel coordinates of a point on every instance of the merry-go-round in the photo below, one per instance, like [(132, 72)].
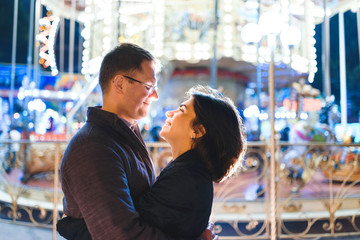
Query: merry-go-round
[(303, 186)]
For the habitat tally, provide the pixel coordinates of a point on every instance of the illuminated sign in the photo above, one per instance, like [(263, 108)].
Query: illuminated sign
[(308, 104), (45, 40)]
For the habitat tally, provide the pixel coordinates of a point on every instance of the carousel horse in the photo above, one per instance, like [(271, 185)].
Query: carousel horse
[(296, 164)]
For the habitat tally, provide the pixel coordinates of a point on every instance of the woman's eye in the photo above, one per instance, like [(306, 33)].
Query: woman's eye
[(180, 109)]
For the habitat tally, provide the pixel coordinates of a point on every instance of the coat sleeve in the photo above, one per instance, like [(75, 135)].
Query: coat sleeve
[(99, 186)]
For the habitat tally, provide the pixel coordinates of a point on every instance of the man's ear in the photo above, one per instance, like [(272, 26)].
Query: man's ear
[(118, 82)]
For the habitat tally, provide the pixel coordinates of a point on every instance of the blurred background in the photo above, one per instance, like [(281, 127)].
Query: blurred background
[(295, 62)]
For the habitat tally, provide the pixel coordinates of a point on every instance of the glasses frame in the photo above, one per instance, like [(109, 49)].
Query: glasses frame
[(150, 88)]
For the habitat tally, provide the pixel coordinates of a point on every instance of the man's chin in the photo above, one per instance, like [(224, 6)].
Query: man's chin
[(144, 113)]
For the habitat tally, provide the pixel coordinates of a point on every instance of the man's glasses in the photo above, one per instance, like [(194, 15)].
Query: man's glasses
[(150, 88)]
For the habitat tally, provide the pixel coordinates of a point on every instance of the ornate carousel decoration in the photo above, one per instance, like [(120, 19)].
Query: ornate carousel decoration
[(248, 37), (187, 32)]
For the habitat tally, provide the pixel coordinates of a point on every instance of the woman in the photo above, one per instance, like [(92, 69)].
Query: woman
[(207, 143)]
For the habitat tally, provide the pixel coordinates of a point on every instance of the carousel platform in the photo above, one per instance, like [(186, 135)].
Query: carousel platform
[(26, 232), (11, 231), (246, 209), (315, 206)]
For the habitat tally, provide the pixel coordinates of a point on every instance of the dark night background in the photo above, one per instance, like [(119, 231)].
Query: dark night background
[(351, 43), (352, 62), (6, 22)]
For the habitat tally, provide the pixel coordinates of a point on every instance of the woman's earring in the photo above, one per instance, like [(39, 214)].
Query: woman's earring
[(193, 136)]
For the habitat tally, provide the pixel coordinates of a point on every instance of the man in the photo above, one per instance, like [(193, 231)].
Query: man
[(106, 166)]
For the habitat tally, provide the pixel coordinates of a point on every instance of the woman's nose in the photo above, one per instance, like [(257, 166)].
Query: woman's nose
[(169, 114)]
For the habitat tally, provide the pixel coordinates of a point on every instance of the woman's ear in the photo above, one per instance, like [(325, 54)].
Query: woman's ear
[(199, 132)]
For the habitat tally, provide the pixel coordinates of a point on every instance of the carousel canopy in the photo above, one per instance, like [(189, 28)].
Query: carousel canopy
[(188, 32)]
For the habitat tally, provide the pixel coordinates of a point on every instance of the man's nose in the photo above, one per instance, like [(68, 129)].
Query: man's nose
[(154, 95)]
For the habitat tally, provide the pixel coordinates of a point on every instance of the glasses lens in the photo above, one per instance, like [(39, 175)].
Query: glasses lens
[(152, 89)]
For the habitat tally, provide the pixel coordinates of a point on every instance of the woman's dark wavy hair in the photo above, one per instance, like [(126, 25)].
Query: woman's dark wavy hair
[(223, 145)]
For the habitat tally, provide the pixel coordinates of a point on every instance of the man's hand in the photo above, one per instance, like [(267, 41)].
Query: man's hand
[(208, 233)]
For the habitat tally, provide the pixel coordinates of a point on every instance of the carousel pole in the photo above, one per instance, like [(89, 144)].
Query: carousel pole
[(343, 94), (56, 188), (213, 77), (326, 53), (118, 21), (273, 210), (80, 47), (258, 72), (71, 61), (29, 75), (13, 61), (62, 44), (38, 13), (72, 40), (358, 32), (30, 41), (269, 23), (358, 29)]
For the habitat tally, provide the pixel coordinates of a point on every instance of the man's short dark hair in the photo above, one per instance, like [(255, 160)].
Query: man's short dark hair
[(125, 58)]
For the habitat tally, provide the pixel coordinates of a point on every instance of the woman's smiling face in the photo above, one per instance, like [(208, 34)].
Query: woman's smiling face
[(178, 127)]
